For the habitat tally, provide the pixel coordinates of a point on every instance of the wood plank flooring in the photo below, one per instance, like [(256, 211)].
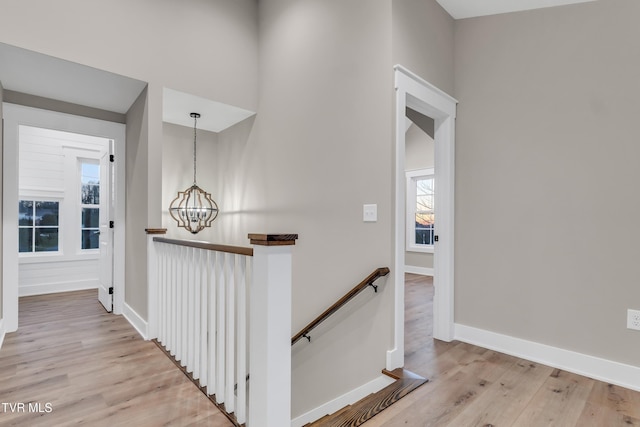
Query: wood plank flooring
[(93, 369), (364, 410), (472, 386)]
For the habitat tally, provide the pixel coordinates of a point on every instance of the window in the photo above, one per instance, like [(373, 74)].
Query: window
[(90, 204), (38, 226), (420, 210)]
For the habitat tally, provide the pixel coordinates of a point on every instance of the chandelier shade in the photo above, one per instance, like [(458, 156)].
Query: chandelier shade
[(194, 209)]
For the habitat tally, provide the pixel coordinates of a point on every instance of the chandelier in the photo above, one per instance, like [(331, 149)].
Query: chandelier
[(194, 209)]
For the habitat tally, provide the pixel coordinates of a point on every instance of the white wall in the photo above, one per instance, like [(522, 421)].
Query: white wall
[(48, 170)]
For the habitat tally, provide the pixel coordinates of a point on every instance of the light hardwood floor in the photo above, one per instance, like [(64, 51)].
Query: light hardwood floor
[(93, 369), (472, 386)]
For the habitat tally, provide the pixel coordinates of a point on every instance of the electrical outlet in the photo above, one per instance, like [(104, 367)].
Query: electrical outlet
[(633, 319)]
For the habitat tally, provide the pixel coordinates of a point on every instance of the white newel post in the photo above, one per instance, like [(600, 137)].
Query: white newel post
[(152, 282), (270, 331)]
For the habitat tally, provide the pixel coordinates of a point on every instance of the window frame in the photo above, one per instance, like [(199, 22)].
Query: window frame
[(412, 177), (82, 206), (34, 227)]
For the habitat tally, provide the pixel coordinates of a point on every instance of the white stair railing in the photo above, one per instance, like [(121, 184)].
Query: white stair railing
[(209, 304)]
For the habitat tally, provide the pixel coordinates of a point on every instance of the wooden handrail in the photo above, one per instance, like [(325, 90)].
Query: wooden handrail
[(239, 250), (379, 272), (254, 238)]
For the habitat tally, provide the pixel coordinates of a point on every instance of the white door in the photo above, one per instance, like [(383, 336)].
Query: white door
[(105, 279)]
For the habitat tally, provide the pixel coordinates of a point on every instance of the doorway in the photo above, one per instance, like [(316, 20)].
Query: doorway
[(421, 217), (420, 193), (420, 96), (77, 227)]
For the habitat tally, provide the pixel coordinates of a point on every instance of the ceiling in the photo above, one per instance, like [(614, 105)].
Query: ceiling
[(214, 116), (460, 9), (45, 76)]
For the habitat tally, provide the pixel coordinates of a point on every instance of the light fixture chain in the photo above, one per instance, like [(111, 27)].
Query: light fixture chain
[(195, 121), (194, 209)]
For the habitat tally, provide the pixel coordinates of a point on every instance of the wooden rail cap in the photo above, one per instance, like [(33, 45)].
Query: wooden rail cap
[(273, 239), (155, 230), (238, 250)]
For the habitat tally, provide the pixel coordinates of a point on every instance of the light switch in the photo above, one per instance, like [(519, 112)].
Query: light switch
[(369, 213)]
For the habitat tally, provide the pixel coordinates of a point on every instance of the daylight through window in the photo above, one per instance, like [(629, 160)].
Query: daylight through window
[(38, 226), (90, 204), (420, 210)]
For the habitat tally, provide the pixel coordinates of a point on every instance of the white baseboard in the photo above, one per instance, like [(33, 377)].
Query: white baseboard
[(627, 376), (2, 332), (136, 321), (423, 271), (395, 359), (341, 401), (54, 288)]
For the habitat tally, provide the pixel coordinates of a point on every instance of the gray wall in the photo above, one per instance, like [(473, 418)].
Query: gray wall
[(325, 131), (423, 122), (209, 49), (137, 184), (546, 176), (229, 167), (423, 41), (34, 101), (177, 172), (319, 148), (423, 36), (1, 196)]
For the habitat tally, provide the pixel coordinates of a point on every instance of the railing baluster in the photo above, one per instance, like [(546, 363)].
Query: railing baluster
[(213, 310), (179, 307), (196, 314), (241, 390), (204, 313), (174, 300), (160, 299), (169, 301), (168, 324), (185, 307), (203, 302), (188, 314), (165, 292), (230, 335), (221, 329)]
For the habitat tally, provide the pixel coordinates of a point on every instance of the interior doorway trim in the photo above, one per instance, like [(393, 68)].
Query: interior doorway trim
[(421, 96), (15, 115)]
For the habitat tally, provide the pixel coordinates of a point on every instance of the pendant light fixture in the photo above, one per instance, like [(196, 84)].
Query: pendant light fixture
[(194, 209)]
